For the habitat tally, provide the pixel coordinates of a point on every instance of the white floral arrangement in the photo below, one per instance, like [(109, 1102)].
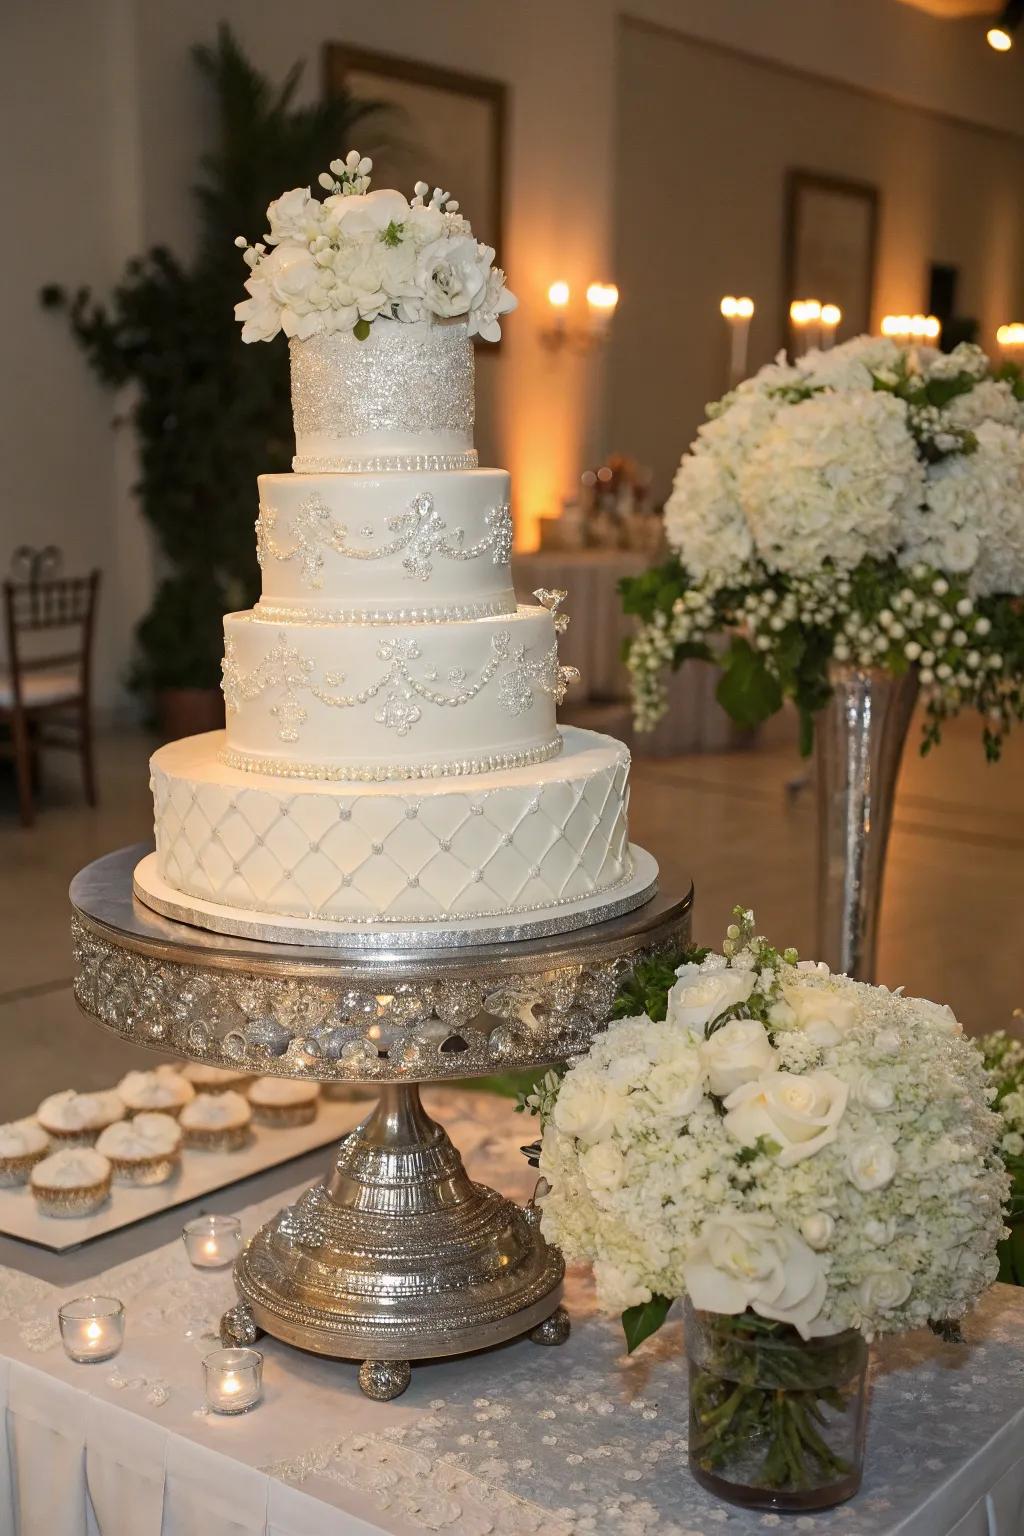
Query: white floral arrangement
[(783, 1142), (864, 505), (356, 256)]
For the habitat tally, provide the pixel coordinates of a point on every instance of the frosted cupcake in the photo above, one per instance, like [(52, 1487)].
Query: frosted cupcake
[(144, 1150), (216, 1122), (164, 1089), (72, 1182), (282, 1101), (213, 1079), (73, 1119), (23, 1143)]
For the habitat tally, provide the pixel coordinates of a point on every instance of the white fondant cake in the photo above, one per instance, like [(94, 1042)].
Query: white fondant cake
[(391, 752)]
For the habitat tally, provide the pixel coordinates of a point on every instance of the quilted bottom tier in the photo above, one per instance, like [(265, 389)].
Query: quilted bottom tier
[(484, 845)]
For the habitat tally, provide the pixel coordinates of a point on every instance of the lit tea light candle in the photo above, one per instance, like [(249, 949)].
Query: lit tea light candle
[(738, 314), (831, 317), (212, 1242), (233, 1380), (91, 1328)]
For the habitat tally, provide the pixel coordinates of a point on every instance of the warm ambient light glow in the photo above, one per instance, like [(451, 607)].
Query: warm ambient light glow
[(94, 1331), (999, 39), (558, 295), (831, 315), (911, 327), (805, 311), (1011, 335), (737, 309), (602, 296)]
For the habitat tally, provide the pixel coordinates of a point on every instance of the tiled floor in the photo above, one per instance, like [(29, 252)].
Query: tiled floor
[(951, 925)]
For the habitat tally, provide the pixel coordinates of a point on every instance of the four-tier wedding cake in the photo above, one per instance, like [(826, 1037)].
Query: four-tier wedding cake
[(391, 754)]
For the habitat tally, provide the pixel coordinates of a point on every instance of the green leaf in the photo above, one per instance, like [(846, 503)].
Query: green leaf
[(638, 1323), (361, 330), (747, 691)]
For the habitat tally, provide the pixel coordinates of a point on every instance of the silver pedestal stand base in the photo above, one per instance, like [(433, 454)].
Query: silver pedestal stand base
[(397, 1256)]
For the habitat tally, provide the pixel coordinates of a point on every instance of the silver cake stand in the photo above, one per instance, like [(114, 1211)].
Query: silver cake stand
[(397, 1256)]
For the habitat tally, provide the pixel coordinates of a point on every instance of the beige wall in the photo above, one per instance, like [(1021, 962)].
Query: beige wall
[(705, 138), (102, 118)]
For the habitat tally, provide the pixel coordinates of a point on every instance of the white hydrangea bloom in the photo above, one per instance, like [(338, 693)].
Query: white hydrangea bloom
[(972, 516), (831, 481)]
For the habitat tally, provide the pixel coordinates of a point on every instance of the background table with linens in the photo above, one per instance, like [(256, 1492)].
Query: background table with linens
[(576, 1441)]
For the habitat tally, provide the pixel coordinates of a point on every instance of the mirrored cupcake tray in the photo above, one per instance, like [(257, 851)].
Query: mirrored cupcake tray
[(199, 1173)]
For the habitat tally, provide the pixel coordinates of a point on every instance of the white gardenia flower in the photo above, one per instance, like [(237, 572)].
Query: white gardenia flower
[(696, 1001), (603, 1168), (884, 1289), (365, 213), (817, 1230), (734, 1054), (751, 1261), (799, 1112), (293, 216), (824, 1014), (871, 1164), (294, 277), (452, 275), (260, 314), (937, 1016)]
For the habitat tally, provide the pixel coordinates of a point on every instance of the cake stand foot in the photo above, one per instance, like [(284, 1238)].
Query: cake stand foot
[(554, 1329), (384, 1379), (238, 1327), (398, 1255)]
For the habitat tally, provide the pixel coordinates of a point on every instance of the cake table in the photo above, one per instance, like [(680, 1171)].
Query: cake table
[(397, 1256)]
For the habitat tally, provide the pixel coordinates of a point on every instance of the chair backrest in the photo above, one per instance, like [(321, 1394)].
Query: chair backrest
[(66, 604)]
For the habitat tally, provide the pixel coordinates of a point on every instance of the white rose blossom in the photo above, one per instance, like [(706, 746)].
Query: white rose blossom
[(696, 1001), (800, 1114), (752, 1261), (734, 1054)]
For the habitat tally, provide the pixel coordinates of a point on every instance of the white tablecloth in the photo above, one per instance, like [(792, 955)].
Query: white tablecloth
[(576, 1441)]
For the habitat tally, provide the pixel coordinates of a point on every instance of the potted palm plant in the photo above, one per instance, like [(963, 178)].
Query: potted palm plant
[(210, 415)]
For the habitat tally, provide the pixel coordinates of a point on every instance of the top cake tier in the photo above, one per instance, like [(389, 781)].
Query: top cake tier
[(400, 400)]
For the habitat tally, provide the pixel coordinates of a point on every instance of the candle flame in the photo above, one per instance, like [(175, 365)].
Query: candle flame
[(94, 1331), (602, 296), (231, 1384), (558, 294)]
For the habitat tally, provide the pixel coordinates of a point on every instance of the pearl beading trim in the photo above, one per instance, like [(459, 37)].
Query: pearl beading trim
[(377, 773), (382, 463), (277, 613)]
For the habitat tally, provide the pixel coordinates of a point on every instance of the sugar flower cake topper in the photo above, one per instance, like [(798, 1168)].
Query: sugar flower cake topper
[(340, 264)]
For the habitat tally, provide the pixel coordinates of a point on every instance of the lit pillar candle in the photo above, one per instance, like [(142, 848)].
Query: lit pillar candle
[(601, 301), (738, 314), (831, 316), (805, 318), (91, 1328), (558, 298), (233, 1380), (1011, 342)]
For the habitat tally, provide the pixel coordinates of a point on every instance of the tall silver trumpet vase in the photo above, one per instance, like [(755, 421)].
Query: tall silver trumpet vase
[(860, 736)]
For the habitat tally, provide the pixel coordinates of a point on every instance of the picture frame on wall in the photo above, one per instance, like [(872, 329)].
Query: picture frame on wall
[(442, 126), (831, 246)]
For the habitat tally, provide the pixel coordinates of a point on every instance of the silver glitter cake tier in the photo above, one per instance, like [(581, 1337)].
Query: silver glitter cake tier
[(400, 400)]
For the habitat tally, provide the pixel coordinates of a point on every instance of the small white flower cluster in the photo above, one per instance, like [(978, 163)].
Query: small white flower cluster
[(1003, 1054), (339, 264), (813, 1149)]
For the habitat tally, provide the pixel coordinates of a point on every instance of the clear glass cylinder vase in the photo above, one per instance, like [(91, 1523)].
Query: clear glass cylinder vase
[(776, 1422), (859, 743)]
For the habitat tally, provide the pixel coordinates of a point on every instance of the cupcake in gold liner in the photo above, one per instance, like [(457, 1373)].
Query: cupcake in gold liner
[(23, 1143), (72, 1182), (216, 1122), (206, 1079), (144, 1150), (283, 1101), (72, 1119), (165, 1090)]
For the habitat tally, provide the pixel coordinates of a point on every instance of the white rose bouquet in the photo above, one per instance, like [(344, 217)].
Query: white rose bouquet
[(340, 263), (864, 505), (799, 1154)]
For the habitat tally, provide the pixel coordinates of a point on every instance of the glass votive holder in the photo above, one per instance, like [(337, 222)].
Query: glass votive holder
[(212, 1242), (91, 1328), (233, 1380)]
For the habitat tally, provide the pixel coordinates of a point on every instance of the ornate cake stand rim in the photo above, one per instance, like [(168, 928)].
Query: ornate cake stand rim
[(102, 898)]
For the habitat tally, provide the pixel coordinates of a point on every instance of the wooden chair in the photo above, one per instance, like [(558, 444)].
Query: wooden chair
[(45, 694)]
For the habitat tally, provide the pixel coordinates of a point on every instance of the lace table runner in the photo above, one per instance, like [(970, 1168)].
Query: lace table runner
[(557, 1442)]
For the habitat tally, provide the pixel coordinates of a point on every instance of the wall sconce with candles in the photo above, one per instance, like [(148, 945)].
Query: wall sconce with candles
[(602, 299), (738, 314), (908, 328)]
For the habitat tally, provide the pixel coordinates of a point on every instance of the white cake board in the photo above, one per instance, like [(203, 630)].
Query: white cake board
[(200, 1173), (152, 889)]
